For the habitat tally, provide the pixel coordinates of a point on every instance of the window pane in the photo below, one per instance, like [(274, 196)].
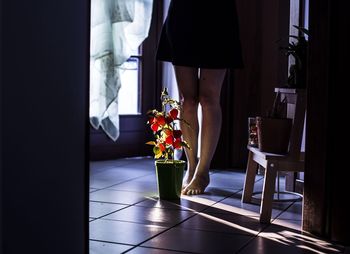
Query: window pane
[(128, 99)]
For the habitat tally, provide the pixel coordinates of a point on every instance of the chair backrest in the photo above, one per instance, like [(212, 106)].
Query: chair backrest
[(296, 105)]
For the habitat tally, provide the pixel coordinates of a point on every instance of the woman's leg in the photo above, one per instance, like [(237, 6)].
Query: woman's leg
[(187, 81), (210, 84)]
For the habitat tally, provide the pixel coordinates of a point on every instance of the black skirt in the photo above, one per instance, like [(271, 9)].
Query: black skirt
[(201, 34)]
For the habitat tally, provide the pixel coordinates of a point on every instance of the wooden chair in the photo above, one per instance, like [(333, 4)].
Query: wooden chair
[(292, 161)]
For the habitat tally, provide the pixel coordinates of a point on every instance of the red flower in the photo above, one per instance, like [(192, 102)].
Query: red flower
[(167, 132), (173, 113), (177, 133), (177, 143), (161, 147), (168, 119), (160, 120), (154, 127), (151, 120), (169, 140)]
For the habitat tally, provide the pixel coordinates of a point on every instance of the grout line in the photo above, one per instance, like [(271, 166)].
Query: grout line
[(127, 206), (152, 248), (177, 224), (252, 239), (100, 217), (136, 222), (195, 213), (112, 203), (264, 228), (106, 167), (138, 245), (284, 210), (103, 169), (103, 241), (124, 181), (139, 192), (218, 232)]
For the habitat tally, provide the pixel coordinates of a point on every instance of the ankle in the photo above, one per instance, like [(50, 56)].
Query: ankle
[(191, 168), (202, 171), (202, 175)]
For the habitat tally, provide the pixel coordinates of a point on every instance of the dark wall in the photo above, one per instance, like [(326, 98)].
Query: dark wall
[(326, 183), (337, 165), (1, 225), (44, 112), (250, 91)]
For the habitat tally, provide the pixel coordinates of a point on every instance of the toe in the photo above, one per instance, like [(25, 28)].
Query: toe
[(185, 191)]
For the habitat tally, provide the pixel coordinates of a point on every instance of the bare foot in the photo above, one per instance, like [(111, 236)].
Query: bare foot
[(191, 169), (188, 178), (197, 185)]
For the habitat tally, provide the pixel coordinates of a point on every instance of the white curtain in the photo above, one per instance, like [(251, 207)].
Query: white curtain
[(118, 27)]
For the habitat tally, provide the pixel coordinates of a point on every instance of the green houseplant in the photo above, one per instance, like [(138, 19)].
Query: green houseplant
[(167, 138), (298, 50)]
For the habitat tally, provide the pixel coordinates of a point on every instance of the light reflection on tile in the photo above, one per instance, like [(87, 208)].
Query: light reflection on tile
[(122, 232), (224, 223), (96, 247), (114, 196), (98, 209), (144, 250), (281, 240), (150, 216), (197, 241)]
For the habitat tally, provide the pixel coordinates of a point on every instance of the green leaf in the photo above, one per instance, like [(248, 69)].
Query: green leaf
[(294, 36), (302, 29), (165, 92), (152, 112), (159, 155), (156, 150)]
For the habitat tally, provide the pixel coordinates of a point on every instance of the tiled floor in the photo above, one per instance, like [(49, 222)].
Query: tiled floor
[(127, 217)]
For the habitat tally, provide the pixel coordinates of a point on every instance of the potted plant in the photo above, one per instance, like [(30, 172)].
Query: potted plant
[(274, 130), (167, 138), (298, 50)]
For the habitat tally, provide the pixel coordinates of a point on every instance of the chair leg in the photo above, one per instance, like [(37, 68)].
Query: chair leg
[(268, 192), (249, 179)]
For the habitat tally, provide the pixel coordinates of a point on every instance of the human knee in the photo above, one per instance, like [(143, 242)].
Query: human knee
[(209, 100), (189, 101)]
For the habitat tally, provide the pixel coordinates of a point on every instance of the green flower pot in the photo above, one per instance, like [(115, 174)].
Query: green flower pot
[(169, 178)]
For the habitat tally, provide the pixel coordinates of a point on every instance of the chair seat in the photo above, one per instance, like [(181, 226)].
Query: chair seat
[(284, 162), (267, 156)]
